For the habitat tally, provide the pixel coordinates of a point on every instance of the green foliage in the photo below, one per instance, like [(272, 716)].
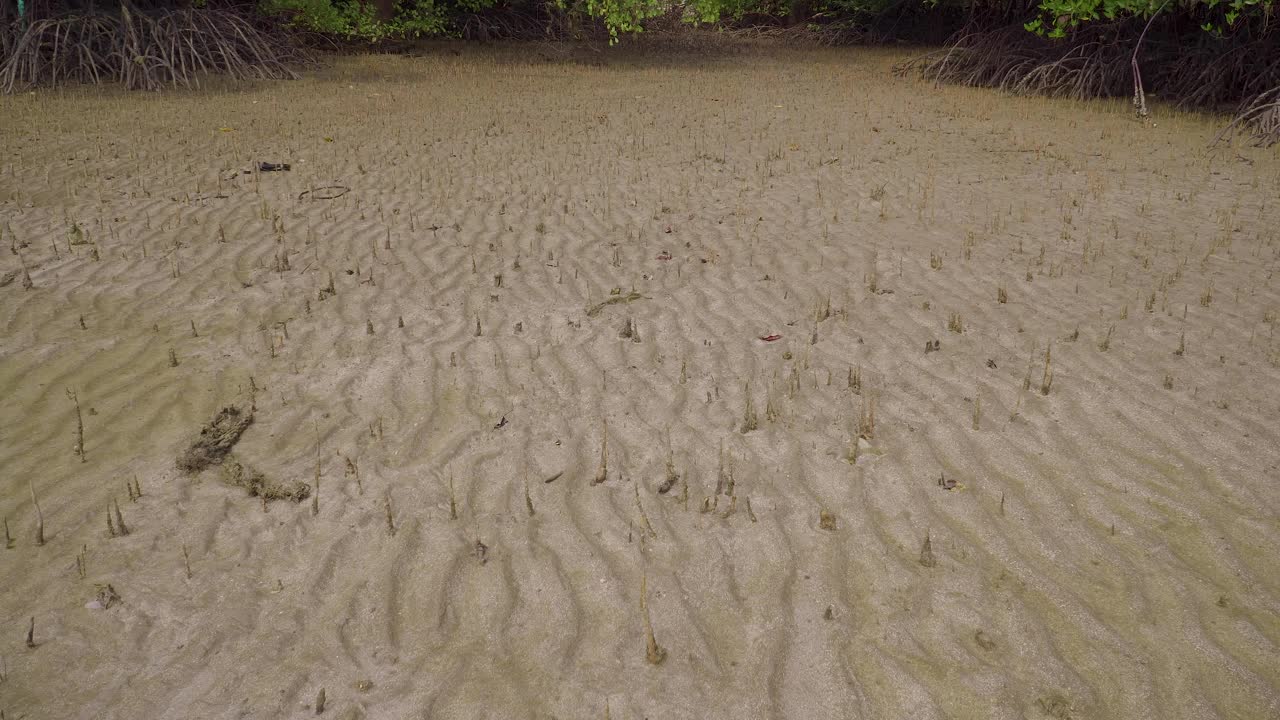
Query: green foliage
[(710, 11), (864, 9), (355, 20), (1220, 16), (619, 16)]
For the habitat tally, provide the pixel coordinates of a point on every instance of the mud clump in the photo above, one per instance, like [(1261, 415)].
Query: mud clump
[(1056, 705), (237, 473), (216, 439)]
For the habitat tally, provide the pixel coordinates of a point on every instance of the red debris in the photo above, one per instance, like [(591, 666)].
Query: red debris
[(664, 255), (770, 338)]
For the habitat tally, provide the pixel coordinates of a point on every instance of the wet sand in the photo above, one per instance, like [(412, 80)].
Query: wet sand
[(1066, 510)]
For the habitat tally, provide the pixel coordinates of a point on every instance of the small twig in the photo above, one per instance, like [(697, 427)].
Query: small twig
[(39, 515), (331, 192), (78, 448)]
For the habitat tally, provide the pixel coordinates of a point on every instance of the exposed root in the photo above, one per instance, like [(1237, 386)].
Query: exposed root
[(1018, 62), (839, 34), (143, 51), (1260, 116), (1187, 68), (509, 23)]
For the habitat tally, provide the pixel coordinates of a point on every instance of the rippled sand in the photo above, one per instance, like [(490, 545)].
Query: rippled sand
[(1098, 540)]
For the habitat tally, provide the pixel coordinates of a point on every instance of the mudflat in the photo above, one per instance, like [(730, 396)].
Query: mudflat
[(546, 385)]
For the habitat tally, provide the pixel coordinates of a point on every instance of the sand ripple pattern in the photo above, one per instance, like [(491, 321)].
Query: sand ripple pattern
[(1107, 548)]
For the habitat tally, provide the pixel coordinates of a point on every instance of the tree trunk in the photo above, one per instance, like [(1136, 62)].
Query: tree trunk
[(384, 9), (800, 13)]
